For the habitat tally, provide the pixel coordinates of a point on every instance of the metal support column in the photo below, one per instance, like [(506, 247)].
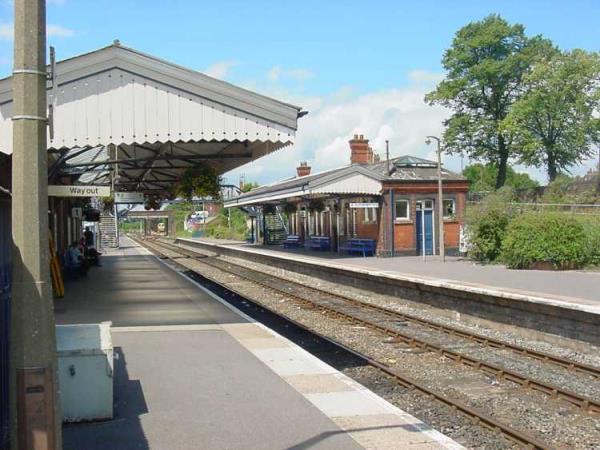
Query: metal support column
[(36, 418)]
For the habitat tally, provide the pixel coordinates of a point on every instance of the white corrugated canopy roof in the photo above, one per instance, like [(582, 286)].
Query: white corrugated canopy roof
[(156, 113)]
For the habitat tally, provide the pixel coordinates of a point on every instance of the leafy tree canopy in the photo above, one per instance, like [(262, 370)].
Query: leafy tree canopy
[(485, 67), (482, 178), (555, 122), (248, 186)]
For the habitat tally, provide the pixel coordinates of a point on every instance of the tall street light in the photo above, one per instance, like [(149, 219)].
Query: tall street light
[(440, 195)]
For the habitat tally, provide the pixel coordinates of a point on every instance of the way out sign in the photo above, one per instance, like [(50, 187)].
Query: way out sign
[(78, 191)]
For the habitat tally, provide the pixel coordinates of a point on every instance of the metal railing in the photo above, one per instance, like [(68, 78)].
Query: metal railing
[(571, 208)]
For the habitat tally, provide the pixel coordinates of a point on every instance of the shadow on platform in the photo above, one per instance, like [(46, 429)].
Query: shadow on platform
[(125, 431)]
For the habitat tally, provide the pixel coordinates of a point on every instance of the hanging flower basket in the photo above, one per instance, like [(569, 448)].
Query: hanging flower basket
[(289, 208), (152, 202), (201, 181), (316, 205), (268, 209), (108, 204)]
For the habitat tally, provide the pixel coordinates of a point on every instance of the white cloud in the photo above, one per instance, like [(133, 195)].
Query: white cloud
[(425, 77), (276, 73), (220, 69), (7, 31), (59, 31), (399, 115)]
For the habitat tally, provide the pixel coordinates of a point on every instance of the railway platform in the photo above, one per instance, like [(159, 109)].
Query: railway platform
[(193, 372), (578, 288), (540, 305)]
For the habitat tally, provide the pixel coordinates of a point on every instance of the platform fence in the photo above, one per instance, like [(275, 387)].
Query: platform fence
[(567, 208)]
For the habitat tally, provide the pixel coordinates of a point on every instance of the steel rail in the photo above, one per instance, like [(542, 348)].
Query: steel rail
[(452, 331), (585, 403), (476, 416)]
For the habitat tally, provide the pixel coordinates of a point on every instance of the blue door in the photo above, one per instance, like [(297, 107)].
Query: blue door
[(426, 221)]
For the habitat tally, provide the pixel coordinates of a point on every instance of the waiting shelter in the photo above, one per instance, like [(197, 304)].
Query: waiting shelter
[(121, 119), (370, 206)]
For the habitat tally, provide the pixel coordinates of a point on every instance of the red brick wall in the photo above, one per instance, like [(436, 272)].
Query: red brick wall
[(451, 233), (366, 230), (404, 236), (404, 232)]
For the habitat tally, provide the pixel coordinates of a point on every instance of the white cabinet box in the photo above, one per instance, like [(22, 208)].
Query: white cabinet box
[(85, 371)]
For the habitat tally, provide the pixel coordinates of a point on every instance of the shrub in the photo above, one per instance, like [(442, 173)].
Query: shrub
[(551, 238), (486, 225), (591, 227)]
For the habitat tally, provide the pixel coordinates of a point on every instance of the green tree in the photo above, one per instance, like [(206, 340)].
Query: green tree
[(247, 187), (553, 121), (485, 67), (482, 178)]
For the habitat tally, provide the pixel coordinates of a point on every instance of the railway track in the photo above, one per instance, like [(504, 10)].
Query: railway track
[(448, 330), (477, 417)]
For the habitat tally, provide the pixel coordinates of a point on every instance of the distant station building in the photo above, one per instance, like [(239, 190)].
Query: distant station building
[(125, 121), (389, 205)]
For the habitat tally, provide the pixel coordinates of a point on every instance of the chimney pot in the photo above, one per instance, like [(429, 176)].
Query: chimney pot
[(303, 169), (360, 152)]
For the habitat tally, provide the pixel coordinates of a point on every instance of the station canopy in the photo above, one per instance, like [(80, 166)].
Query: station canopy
[(117, 111)]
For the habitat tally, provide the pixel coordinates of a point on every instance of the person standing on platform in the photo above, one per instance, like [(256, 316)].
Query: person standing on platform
[(89, 237)]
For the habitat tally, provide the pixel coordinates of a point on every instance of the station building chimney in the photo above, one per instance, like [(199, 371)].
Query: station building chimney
[(303, 169), (360, 151)]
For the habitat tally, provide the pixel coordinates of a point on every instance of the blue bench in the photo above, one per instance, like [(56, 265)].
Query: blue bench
[(318, 243), (359, 245), (292, 241)]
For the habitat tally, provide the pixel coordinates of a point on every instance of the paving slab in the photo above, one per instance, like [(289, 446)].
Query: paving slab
[(192, 372)]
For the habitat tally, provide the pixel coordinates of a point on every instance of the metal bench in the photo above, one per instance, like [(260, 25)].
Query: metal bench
[(292, 241), (318, 243), (359, 245)]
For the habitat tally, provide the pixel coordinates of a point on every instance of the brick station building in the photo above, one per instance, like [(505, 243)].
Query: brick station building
[(391, 202)]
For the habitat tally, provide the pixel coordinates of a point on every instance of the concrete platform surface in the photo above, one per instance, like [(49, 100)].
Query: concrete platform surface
[(192, 372), (572, 286)]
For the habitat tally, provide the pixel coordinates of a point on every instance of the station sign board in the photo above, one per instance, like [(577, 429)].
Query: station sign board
[(78, 191), (129, 197), (364, 205)]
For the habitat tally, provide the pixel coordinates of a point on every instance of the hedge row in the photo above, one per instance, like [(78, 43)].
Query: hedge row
[(534, 239)]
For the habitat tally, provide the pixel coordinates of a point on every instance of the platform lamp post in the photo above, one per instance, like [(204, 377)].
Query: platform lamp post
[(35, 415), (440, 195)]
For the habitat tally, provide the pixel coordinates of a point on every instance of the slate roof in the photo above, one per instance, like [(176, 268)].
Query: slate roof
[(403, 169)]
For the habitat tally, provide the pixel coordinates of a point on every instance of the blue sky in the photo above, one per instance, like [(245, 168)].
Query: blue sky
[(357, 66)]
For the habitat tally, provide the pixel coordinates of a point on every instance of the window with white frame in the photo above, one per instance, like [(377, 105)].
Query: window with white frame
[(449, 207), (402, 210), (348, 221), (370, 215)]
